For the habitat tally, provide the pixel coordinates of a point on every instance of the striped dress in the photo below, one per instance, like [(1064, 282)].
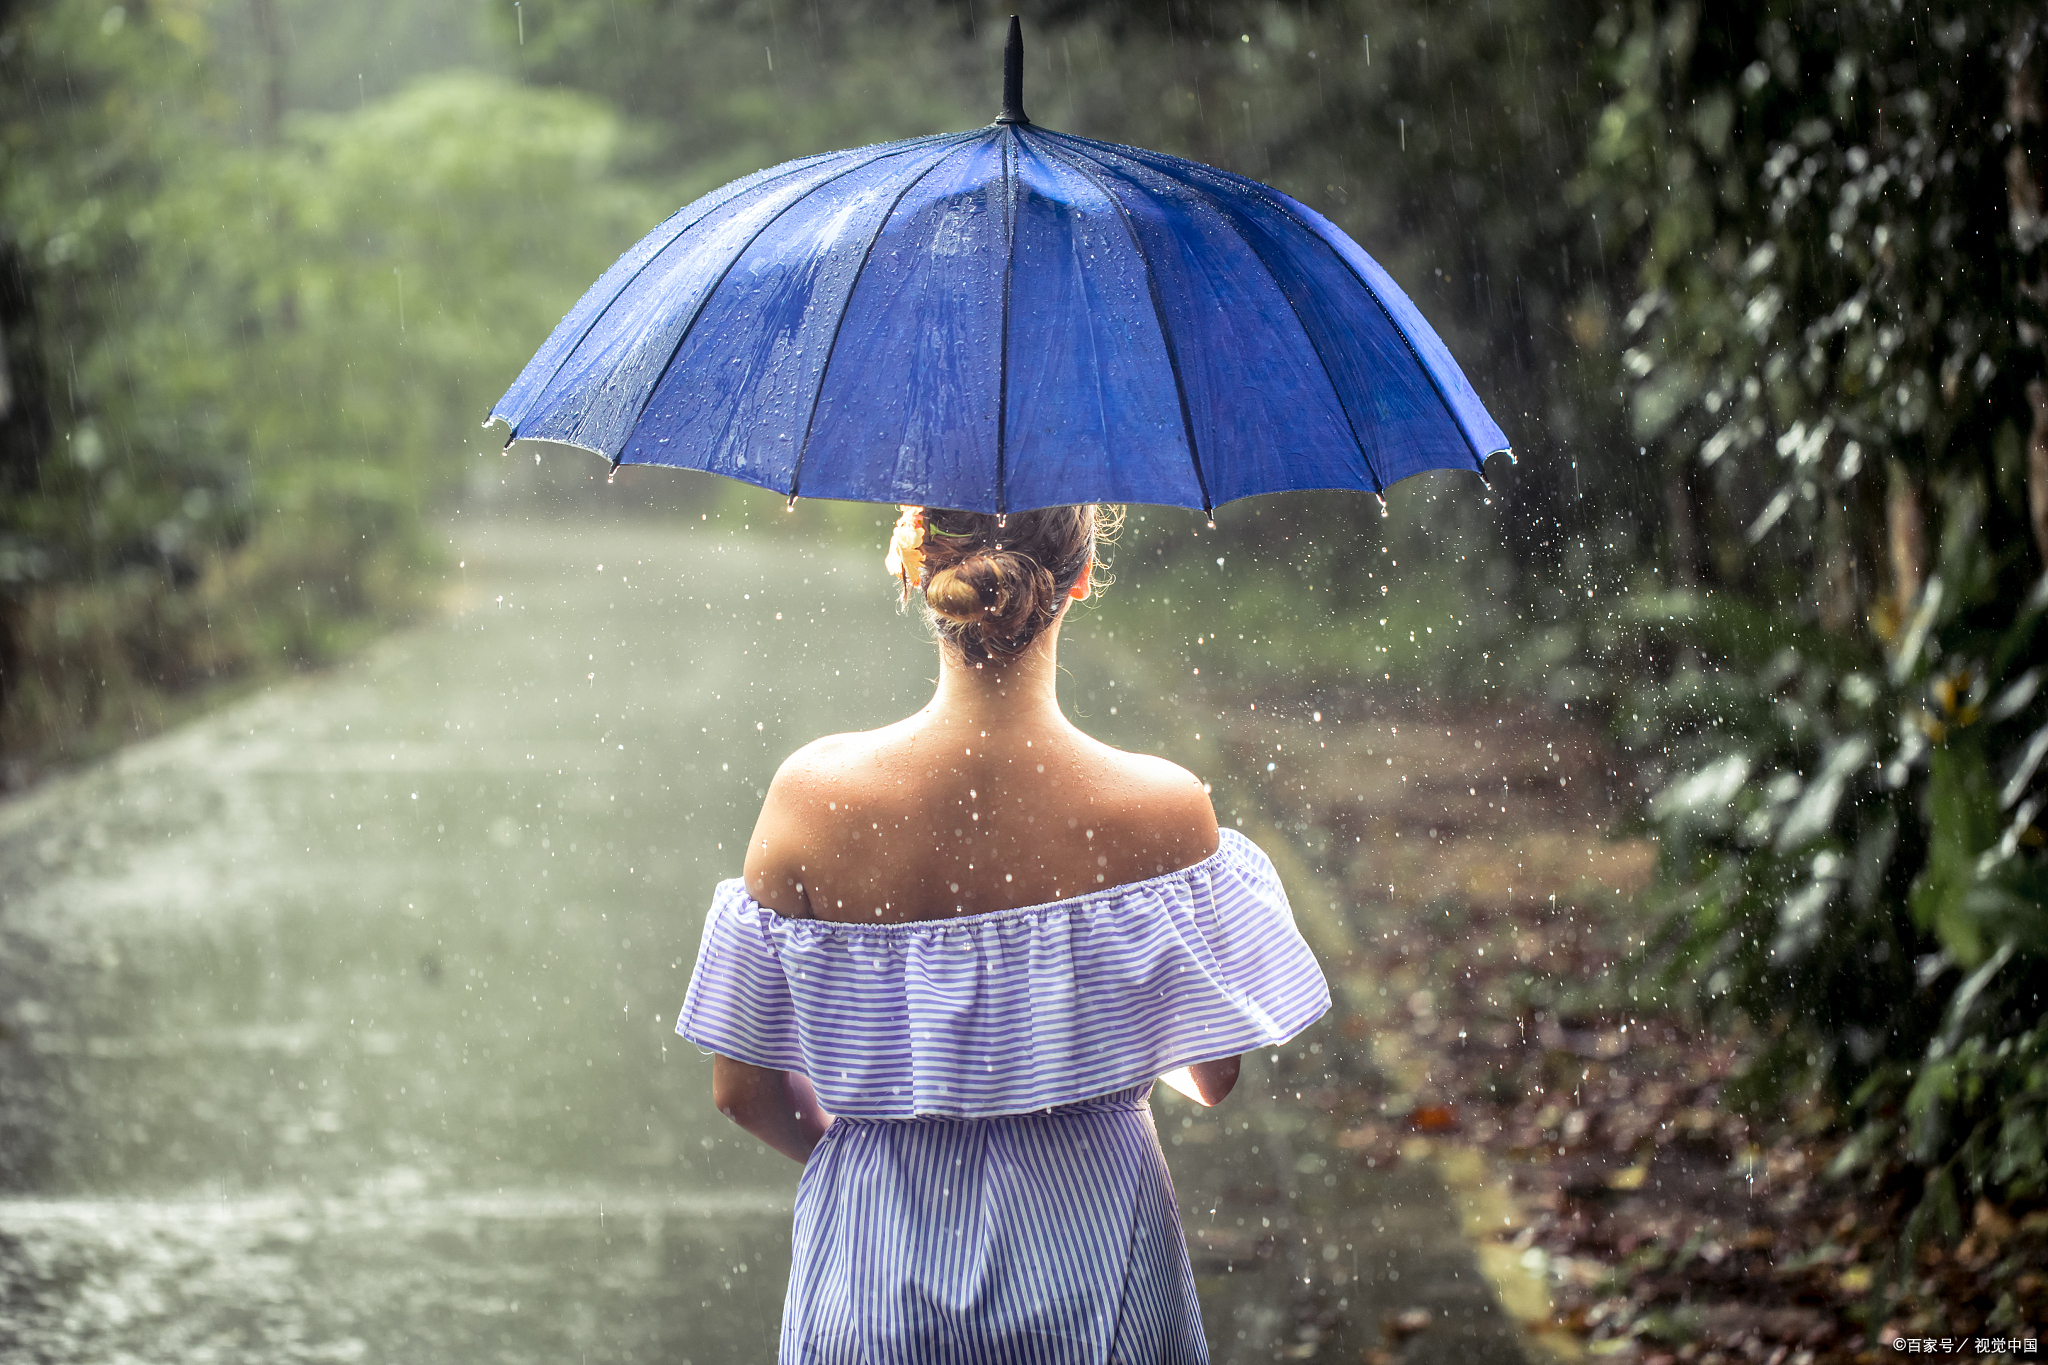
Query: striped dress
[(991, 1188)]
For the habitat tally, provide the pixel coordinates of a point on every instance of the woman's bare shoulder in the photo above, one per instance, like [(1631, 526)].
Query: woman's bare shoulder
[(1158, 794), (809, 792), (834, 763), (1147, 773), (832, 770)]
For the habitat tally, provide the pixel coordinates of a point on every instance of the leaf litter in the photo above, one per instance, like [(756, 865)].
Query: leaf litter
[(1494, 893)]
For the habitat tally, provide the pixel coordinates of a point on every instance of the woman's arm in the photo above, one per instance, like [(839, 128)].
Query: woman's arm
[(1205, 1082), (777, 1107)]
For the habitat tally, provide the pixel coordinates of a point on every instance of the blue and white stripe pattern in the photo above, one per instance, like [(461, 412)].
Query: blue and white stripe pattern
[(1015, 1010), (1034, 1239), (991, 1190)]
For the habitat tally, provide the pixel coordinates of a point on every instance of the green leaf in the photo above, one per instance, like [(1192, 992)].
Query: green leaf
[(1912, 644), (1927, 1106), (2013, 904), (2023, 767), (1800, 919), (1964, 1001), (1962, 821), (1874, 849), (1703, 797), (1814, 815)]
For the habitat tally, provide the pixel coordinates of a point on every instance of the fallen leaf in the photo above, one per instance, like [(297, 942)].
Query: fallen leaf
[(1433, 1118), (1407, 1323)]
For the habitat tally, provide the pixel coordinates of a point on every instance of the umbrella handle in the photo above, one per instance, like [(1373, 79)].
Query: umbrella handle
[(1013, 76)]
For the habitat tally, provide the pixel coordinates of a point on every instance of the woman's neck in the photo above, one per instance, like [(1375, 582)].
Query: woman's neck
[(1007, 694)]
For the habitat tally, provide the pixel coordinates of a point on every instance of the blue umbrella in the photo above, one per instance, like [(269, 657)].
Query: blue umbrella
[(999, 320)]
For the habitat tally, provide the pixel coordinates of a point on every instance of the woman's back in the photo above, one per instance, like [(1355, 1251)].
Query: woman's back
[(992, 1187), (968, 809), (988, 798)]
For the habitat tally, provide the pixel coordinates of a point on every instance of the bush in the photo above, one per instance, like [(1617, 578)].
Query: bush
[(1835, 345), (244, 370)]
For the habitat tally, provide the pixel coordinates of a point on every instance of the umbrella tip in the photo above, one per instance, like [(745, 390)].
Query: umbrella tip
[(1013, 76)]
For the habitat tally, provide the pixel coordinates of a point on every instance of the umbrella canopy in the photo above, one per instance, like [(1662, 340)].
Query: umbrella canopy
[(999, 320)]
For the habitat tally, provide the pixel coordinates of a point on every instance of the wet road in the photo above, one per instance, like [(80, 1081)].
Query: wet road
[(337, 1025)]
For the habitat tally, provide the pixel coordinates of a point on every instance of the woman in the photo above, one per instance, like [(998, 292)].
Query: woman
[(963, 947)]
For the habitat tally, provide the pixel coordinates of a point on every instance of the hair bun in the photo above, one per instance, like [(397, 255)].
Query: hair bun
[(954, 595), (993, 583), (1001, 592)]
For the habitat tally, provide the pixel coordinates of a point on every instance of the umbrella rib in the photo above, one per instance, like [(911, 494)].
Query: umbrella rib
[(1268, 192), (723, 275), (1180, 388), (1350, 422), (628, 283), (1436, 386), (1003, 375), (1379, 484), (832, 348)]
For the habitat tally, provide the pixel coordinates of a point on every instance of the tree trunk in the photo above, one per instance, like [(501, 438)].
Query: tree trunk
[(270, 40), (2024, 110), (1839, 603), (274, 61), (1685, 516), (1906, 541), (2037, 468)]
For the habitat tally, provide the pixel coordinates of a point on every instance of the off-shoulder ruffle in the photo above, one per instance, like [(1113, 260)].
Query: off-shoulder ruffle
[(1014, 1010)]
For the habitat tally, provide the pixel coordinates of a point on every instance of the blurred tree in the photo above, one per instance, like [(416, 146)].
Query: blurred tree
[(730, 86), (245, 359), (366, 288), (85, 150)]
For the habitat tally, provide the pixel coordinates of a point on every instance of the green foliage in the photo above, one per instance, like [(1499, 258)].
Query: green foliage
[(84, 156), (730, 86), (246, 367), (1831, 335), (1829, 276), (380, 274), (1280, 597)]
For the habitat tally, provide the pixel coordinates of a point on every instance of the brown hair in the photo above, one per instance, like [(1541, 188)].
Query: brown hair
[(993, 584)]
